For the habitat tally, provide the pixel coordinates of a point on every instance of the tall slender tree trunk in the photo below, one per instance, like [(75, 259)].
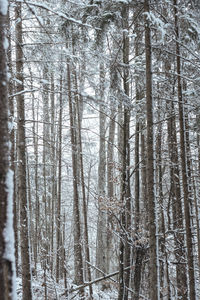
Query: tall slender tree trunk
[(35, 146), (127, 260), (177, 205), (164, 283), (24, 234), (29, 199), (53, 170), (139, 247), (185, 175), (110, 164), (13, 157), (124, 256), (86, 237), (58, 220), (7, 260), (198, 189), (153, 263), (78, 261), (102, 214), (45, 196)]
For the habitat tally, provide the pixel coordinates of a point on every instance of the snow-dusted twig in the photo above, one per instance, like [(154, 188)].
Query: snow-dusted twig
[(57, 13), (23, 92)]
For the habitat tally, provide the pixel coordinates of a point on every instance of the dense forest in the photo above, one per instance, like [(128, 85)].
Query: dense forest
[(99, 149)]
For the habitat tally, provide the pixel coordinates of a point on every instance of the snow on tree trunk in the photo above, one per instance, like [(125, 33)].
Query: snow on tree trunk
[(7, 258)]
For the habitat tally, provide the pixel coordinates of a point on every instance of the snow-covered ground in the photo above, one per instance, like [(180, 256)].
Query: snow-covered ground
[(55, 291)]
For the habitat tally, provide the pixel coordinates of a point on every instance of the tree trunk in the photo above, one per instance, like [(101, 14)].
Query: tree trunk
[(139, 247), (153, 263), (87, 249), (7, 260), (110, 164), (78, 261), (35, 146), (13, 156), (53, 170), (24, 235), (177, 205), (102, 214), (124, 256), (185, 175), (45, 196), (58, 217)]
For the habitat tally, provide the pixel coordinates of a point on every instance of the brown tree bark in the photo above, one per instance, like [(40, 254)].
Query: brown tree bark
[(177, 205), (13, 156), (58, 217), (53, 168), (85, 219), (185, 174), (102, 214), (110, 162), (21, 147), (139, 247), (78, 261), (35, 146), (45, 172), (7, 260), (125, 250), (153, 263)]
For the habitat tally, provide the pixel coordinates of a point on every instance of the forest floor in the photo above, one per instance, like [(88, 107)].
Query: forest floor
[(55, 291)]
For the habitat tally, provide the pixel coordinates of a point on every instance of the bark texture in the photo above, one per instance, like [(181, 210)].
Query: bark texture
[(102, 213), (6, 264), (21, 148), (185, 174), (153, 293), (78, 261)]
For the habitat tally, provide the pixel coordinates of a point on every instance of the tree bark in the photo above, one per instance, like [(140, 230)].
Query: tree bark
[(139, 247), (110, 163), (185, 175), (125, 251), (102, 214), (78, 261), (13, 156), (58, 217), (153, 263), (24, 235), (177, 205), (35, 146), (7, 260), (53, 169), (87, 249)]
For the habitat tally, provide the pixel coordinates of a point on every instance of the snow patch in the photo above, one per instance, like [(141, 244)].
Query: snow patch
[(3, 7), (5, 43), (8, 232), (160, 25)]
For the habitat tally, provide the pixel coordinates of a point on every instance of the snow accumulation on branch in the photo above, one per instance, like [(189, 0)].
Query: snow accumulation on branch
[(57, 13), (23, 92), (3, 7)]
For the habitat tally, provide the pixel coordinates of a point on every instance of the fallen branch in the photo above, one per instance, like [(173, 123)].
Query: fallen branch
[(95, 281), (113, 280), (100, 271)]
